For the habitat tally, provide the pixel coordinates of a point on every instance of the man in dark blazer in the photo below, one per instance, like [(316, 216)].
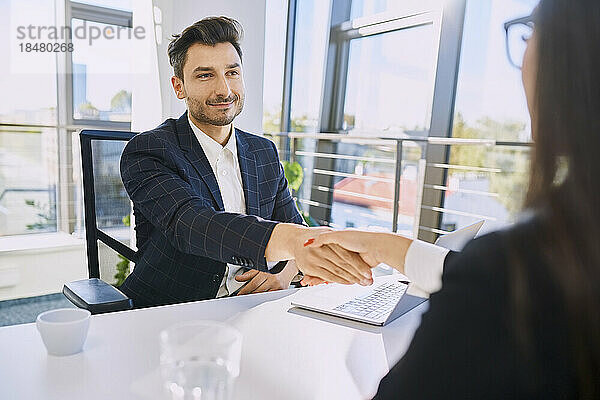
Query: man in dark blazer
[(210, 199)]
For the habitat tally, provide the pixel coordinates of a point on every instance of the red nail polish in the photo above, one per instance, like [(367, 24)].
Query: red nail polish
[(309, 242)]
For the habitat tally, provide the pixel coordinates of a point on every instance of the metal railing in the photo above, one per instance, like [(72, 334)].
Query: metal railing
[(26, 190), (395, 145)]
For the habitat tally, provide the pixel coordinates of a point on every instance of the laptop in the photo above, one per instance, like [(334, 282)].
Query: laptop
[(375, 304), (457, 239), (383, 301)]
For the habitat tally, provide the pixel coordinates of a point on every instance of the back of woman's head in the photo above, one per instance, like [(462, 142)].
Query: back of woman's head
[(565, 170), (567, 98)]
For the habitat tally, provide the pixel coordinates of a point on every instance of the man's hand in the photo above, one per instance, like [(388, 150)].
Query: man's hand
[(265, 282), (331, 263)]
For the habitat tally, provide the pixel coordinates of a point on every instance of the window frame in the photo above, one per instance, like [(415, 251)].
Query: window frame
[(442, 116)]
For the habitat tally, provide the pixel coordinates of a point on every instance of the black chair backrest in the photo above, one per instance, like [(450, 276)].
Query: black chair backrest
[(92, 232)]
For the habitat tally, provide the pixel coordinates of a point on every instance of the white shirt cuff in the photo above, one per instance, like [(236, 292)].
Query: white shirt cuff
[(271, 264), (424, 265)]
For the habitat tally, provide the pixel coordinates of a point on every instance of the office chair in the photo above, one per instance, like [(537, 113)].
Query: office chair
[(93, 294)]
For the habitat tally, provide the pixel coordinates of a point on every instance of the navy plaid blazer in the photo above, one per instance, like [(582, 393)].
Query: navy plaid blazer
[(184, 236)]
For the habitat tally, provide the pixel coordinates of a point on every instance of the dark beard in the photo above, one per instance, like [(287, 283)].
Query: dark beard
[(198, 110)]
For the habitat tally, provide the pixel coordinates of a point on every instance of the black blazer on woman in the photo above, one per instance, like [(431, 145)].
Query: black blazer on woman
[(466, 346)]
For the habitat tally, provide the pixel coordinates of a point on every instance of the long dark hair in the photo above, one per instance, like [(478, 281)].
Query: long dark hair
[(566, 125)]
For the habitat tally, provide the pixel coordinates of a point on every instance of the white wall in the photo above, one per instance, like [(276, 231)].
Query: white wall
[(44, 262), (179, 14), (39, 265), (146, 106)]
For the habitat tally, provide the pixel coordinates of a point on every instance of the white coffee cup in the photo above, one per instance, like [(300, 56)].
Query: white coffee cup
[(63, 330)]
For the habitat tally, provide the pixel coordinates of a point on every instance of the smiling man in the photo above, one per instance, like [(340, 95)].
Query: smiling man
[(210, 200)]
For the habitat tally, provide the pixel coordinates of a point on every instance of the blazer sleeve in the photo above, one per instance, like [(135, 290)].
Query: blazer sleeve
[(189, 221), (285, 209), (462, 347)]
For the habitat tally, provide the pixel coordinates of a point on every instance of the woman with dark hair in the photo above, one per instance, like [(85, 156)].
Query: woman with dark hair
[(518, 315)]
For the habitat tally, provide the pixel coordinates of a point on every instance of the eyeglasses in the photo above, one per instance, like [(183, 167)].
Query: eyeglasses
[(518, 32)]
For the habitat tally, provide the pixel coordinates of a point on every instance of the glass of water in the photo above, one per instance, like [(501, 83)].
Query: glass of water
[(200, 360)]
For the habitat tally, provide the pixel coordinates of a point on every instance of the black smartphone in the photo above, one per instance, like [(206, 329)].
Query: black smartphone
[(238, 290), (240, 272)]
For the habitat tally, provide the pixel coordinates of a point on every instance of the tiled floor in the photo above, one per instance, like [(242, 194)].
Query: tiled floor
[(23, 311)]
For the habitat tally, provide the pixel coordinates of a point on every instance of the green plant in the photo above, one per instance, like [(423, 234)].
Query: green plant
[(511, 182), (310, 221), (295, 175), (46, 216), (123, 269), (89, 110), (121, 101)]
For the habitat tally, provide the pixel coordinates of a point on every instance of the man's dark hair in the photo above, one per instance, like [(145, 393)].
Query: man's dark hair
[(208, 31)]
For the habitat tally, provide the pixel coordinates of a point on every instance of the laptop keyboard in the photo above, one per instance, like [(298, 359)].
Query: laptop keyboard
[(376, 304)]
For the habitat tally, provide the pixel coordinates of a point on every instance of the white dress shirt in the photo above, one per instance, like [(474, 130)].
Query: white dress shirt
[(424, 265), (225, 165)]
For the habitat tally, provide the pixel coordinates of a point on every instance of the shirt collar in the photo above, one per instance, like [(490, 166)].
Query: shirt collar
[(211, 147)]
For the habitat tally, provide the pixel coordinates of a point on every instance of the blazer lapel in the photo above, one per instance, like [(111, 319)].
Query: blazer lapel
[(195, 155), (249, 174)]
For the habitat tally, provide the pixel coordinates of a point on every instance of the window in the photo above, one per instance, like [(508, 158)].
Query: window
[(101, 91), (311, 32), (102, 74), (28, 118), (42, 109), (488, 85), (312, 27), (390, 82), (40, 187), (381, 73), (112, 202), (28, 180), (102, 63), (490, 103), (27, 78), (275, 40)]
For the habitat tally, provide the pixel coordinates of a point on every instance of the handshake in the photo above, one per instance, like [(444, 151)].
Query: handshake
[(325, 255)]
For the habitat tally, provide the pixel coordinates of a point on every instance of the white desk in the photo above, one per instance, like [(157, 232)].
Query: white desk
[(287, 353)]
